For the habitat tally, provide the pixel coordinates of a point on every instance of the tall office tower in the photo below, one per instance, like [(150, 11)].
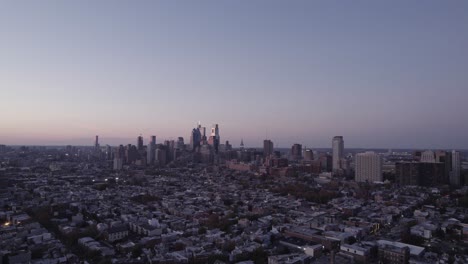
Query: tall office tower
[(368, 167), (195, 138), (140, 143), (325, 162), (171, 146), (267, 148), (151, 152), (131, 154), (118, 158), (108, 152), (96, 143), (204, 139), (214, 138), (338, 149), (180, 143), (296, 151), (308, 155), (161, 156), (215, 131), (407, 173), (118, 164), (445, 157), (228, 146), (456, 165)]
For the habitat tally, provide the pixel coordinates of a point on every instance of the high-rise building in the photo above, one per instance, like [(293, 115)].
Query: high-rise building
[(151, 152), (118, 163), (180, 143), (119, 154), (108, 152), (420, 173), (428, 156), (195, 138), (308, 155), (296, 151), (432, 174), (407, 173), (203, 139), (326, 162), (140, 143), (161, 156), (214, 138), (170, 147), (131, 154), (228, 146), (368, 167), (445, 157), (267, 148), (338, 152), (96, 143), (455, 172)]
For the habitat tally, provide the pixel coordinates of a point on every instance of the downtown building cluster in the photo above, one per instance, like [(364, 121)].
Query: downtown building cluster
[(425, 168)]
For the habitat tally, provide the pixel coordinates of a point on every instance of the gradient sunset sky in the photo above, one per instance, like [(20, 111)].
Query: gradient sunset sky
[(390, 74)]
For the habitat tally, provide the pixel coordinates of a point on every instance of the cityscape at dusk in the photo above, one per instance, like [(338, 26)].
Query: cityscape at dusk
[(233, 132)]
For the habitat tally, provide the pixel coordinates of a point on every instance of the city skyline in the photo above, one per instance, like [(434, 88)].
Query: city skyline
[(120, 141), (383, 75)]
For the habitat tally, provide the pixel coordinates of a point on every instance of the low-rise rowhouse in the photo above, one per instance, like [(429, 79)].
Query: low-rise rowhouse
[(145, 229), (116, 233)]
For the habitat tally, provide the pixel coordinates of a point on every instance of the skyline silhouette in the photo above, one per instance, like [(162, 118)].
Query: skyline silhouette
[(382, 74)]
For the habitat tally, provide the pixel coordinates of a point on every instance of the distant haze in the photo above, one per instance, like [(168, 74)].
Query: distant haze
[(389, 74)]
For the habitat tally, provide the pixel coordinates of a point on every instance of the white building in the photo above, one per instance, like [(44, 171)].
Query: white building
[(368, 167), (428, 156)]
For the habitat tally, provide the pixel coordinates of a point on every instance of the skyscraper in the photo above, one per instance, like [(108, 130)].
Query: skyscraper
[(214, 138), (455, 173), (308, 155), (119, 154), (420, 173), (368, 167), (96, 143), (338, 149), (151, 150), (195, 138), (180, 143), (108, 152), (140, 143), (161, 156), (267, 148), (296, 151)]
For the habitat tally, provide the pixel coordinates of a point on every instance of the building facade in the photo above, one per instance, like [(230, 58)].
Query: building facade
[(337, 152), (368, 167)]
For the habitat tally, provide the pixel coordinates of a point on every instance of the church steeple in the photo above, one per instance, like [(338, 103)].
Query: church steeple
[(242, 143)]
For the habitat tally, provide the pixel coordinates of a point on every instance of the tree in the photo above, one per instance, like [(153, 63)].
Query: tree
[(202, 230), (137, 251), (351, 240)]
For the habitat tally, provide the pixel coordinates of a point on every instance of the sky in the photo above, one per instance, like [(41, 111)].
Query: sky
[(387, 74)]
